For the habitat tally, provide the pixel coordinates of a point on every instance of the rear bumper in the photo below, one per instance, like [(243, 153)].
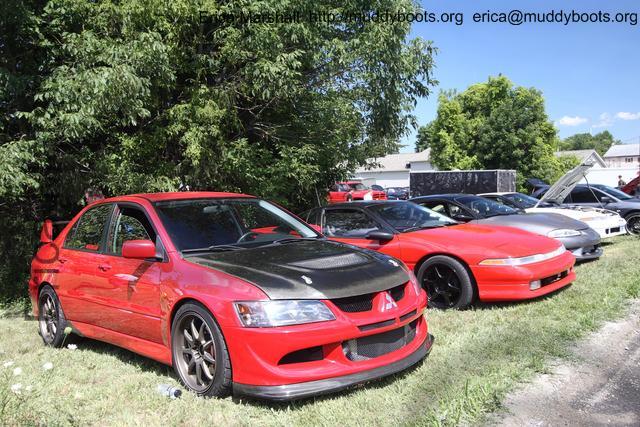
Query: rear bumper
[(330, 385), (497, 283)]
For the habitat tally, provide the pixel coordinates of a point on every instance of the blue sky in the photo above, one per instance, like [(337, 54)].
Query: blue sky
[(589, 73)]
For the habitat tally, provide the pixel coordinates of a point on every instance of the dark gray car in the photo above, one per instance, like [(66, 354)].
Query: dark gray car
[(576, 236)]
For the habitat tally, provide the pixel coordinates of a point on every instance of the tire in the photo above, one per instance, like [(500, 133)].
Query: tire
[(51, 320), (633, 223), (197, 348), (447, 282)]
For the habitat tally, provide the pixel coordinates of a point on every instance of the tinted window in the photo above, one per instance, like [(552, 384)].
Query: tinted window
[(405, 216), (347, 223), (195, 224), (613, 192), (583, 195), (87, 233), (129, 224), (484, 207), (521, 200)]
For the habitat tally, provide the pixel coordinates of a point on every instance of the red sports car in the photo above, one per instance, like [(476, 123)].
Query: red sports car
[(455, 263), (353, 190), (234, 292)]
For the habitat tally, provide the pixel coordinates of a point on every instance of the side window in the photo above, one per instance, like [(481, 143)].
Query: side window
[(334, 188), (129, 224), (583, 195), (87, 233), (347, 223)]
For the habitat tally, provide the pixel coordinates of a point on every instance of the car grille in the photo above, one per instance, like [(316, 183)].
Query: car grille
[(613, 230), (364, 302), (377, 345), (552, 279)]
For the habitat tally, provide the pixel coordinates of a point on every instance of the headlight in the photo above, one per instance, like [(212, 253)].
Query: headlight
[(524, 260), (268, 314), (563, 232)]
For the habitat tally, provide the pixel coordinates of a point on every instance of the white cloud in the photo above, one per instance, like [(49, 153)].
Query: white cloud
[(628, 116), (572, 121), (605, 120)]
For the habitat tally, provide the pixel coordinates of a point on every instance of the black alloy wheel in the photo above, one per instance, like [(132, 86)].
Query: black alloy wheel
[(447, 282)]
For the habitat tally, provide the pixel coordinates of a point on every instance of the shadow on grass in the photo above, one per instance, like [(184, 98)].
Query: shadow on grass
[(301, 403), (150, 365), (124, 355), (505, 304)]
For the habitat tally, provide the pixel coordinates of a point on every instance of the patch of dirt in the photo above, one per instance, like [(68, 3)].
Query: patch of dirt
[(601, 388)]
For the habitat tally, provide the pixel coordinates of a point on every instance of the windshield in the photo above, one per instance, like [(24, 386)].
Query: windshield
[(358, 186), (613, 192), (409, 216), (485, 207), (521, 200), (203, 223)]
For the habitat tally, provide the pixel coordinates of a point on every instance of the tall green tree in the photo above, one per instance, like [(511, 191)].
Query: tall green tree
[(144, 95), (493, 125), (585, 141)]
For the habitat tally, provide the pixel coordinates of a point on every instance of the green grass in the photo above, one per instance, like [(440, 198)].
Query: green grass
[(479, 356)]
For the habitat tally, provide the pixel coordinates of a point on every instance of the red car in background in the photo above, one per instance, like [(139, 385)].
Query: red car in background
[(234, 292), (349, 191), (455, 263)]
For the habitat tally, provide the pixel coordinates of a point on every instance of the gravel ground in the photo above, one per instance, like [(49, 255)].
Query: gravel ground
[(600, 387)]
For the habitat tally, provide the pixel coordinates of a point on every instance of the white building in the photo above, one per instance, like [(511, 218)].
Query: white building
[(585, 156), (623, 156), (393, 170)]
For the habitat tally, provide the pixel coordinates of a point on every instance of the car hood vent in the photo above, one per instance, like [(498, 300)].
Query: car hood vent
[(326, 263)]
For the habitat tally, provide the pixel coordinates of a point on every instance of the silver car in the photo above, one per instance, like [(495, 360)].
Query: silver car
[(576, 236)]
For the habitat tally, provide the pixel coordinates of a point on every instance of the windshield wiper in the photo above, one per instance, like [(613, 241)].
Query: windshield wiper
[(213, 248), (293, 240), (426, 227)]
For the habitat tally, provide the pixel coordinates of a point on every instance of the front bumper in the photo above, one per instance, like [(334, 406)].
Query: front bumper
[(348, 347), (584, 247), (512, 283), (331, 385)]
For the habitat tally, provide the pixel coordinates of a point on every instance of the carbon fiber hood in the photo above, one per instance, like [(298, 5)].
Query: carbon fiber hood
[(309, 269)]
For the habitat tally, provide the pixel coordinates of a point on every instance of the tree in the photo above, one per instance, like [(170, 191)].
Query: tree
[(585, 141), (493, 125), (145, 95)]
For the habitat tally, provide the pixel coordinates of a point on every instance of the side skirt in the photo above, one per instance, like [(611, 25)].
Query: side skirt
[(152, 350)]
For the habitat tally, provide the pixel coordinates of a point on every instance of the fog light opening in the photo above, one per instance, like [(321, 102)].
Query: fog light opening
[(534, 285)]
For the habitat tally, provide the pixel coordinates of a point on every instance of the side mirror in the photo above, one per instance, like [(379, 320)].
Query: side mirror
[(605, 199), (463, 217), (381, 236), (46, 234), (139, 249)]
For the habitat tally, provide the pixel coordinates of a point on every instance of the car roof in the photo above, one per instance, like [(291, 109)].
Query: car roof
[(182, 195), (449, 196), (363, 203)]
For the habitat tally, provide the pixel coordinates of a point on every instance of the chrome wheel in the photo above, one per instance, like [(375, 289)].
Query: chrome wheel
[(196, 358), (48, 318), (442, 285), (633, 224)]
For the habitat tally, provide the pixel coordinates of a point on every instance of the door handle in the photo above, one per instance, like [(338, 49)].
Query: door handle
[(104, 267), (62, 260)]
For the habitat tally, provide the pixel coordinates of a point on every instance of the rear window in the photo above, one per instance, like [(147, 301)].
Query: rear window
[(87, 233)]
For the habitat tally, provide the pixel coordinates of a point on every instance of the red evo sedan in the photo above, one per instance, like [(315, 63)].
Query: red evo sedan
[(455, 263), (353, 190), (234, 292)]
